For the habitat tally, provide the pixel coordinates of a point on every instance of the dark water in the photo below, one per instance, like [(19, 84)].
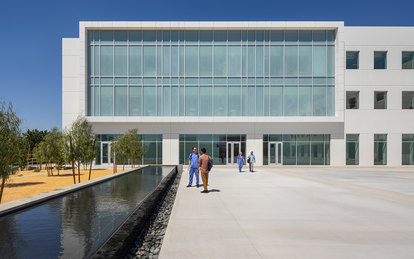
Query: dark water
[(77, 224)]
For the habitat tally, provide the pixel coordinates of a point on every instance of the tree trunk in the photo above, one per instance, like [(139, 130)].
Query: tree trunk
[(3, 181), (51, 168), (73, 160), (90, 168), (132, 162), (79, 168), (58, 166), (27, 159), (123, 165)]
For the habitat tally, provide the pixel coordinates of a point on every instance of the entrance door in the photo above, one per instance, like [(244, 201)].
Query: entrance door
[(106, 157), (275, 153), (233, 149)]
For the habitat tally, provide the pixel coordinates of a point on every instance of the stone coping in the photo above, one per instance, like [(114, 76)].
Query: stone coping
[(21, 204)]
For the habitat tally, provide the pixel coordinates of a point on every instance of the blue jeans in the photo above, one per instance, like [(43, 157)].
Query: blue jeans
[(192, 172)]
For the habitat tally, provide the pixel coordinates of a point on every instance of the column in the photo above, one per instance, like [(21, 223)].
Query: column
[(254, 142), (170, 149)]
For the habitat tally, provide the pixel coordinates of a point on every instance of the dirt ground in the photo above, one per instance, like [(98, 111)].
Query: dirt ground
[(28, 183)]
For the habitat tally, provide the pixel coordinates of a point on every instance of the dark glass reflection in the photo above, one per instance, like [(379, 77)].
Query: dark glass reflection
[(77, 224)]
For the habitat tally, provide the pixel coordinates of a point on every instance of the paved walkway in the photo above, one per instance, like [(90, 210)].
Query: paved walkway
[(295, 213)]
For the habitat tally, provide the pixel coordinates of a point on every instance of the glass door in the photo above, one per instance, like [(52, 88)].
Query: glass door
[(233, 149), (106, 157), (275, 153)]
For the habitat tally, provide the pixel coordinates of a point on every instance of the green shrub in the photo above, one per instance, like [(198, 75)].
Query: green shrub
[(36, 170)]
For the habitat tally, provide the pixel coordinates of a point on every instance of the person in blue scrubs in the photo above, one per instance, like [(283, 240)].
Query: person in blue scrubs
[(240, 161), (193, 167)]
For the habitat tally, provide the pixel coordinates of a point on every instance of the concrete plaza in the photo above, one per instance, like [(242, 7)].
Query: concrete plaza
[(286, 212)]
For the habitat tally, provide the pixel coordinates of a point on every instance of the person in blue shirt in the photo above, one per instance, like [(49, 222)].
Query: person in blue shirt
[(240, 161), (193, 167), (252, 160)]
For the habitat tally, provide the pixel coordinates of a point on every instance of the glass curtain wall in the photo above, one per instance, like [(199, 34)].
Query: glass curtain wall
[(380, 149), (216, 146), (152, 143), (352, 149), (300, 149), (408, 149), (211, 73)]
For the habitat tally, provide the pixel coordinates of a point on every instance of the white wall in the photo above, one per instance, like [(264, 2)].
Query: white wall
[(366, 121)]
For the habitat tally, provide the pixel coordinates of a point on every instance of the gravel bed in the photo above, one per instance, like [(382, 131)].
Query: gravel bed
[(148, 245)]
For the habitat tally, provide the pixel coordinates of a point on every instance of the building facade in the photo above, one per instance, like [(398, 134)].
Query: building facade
[(295, 93)]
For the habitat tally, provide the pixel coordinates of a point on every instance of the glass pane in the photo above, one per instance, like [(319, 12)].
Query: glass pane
[(380, 60), (303, 153), (149, 37), (206, 60), (276, 101), (251, 101), (134, 101), (305, 100), (352, 59), (380, 100), (135, 61), (107, 37), (120, 61), (96, 103), (317, 149), (121, 101), (259, 101), (259, 61), (191, 60), (149, 60), (166, 61), (105, 151), (107, 105), (279, 153), (107, 60), (408, 100), (150, 101), (380, 153), (408, 153), (330, 100), (220, 61), (229, 152), (251, 61), (289, 153), (319, 101), (220, 98), (331, 61), (206, 100), (234, 61), (236, 150), (291, 100), (234, 101), (291, 60), (191, 100), (408, 60), (305, 61), (276, 60), (319, 61), (352, 100), (272, 153), (174, 61), (166, 101)]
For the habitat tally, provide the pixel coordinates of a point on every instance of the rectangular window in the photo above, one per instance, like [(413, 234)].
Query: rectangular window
[(206, 59), (276, 60), (234, 101), (380, 149), (291, 60), (149, 60), (291, 100), (276, 100), (408, 149), (234, 61), (220, 98), (107, 59), (220, 61), (352, 149), (380, 60), (135, 61), (319, 61), (135, 101), (206, 100), (380, 100), (150, 100), (319, 101), (408, 60), (191, 60), (107, 101), (352, 59), (191, 101), (408, 100), (352, 100), (120, 61), (305, 100), (121, 101)]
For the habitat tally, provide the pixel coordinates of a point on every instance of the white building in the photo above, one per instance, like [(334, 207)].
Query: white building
[(305, 93)]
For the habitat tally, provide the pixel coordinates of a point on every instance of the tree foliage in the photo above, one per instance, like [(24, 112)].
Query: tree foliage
[(130, 146), (9, 142)]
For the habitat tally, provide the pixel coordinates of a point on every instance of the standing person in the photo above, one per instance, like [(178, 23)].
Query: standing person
[(203, 168), (252, 160), (240, 161), (192, 167)]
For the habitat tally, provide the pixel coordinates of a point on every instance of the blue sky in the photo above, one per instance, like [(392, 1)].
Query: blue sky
[(31, 33)]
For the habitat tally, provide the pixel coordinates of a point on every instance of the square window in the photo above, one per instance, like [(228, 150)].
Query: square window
[(408, 60), (380, 60), (352, 59), (408, 100), (380, 100), (352, 100)]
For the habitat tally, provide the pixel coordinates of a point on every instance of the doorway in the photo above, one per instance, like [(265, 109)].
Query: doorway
[(275, 153), (233, 150), (106, 157)]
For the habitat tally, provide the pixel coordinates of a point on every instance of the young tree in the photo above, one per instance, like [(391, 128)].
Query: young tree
[(131, 146), (81, 142), (9, 140), (53, 151), (33, 137)]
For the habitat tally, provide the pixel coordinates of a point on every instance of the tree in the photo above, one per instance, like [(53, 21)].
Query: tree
[(53, 149), (31, 139), (81, 139), (130, 146), (9, 141)]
